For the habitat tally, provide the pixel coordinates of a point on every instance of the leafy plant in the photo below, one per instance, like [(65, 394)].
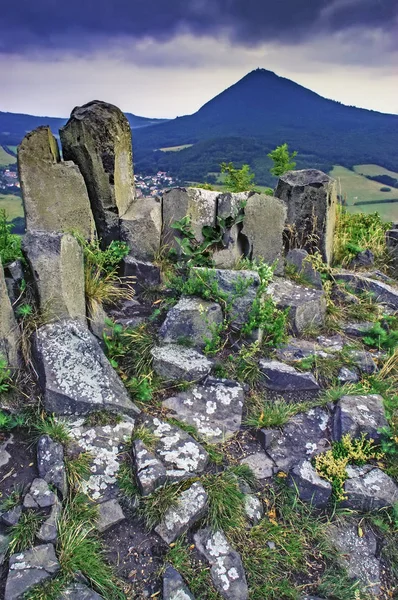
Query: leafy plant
[(10, 244), (8, 422), (237, 180), (381, 337), (282, 159), (5, 375)]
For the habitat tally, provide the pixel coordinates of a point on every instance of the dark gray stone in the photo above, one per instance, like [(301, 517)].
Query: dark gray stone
[(368, 488), (74, 373), (310, 487), (150, 471), (214, 408), (383, 292), (110, 513), (296, 349), (146, 274), (130, 313), (39, 495), (307, 307), (180, 363), (357, 329), (191, 319), (50, 463), (48, 531), (364, 361), (298, 258), (281, 377), (359, 414), (365, 258), (332, 343), (79, 591), (191, 506), (174, 587), (141, 228), (4, 543), (29, 568), (347, 375), (261, 465), (182, 456), (11, 517), (226, 567)]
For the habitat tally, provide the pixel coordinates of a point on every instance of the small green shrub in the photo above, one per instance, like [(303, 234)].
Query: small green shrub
[(10, 244), (383, 337), (5, 375), (8, 422)]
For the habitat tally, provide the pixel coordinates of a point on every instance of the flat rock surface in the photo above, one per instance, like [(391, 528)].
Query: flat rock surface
[(261, 465), (182, 456), (383, 292), (191, 506), (74, 373), (226, 567), (39, 495), (79, 591), (368, 488), (359, 414), (214, 408), (29, 568), (174, 587), (281, 377), (174, 361), (110, 513), (307, 307)]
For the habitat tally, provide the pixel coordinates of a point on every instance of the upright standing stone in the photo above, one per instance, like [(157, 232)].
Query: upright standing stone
[(263, 226), (8, 325), (56, 262), (53, 191), (141, 228), (97, 138), (311, 200)]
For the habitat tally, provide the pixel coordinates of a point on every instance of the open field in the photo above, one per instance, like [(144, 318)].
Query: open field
[(12, 205), (373, 170), (6, 159), (175, 148)]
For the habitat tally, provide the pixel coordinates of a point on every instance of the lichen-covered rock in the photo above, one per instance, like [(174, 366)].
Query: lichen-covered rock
[(79, 591), (298, 259), (141, 228), (181, 363), (262, 465), (191, 319), (53, 191), (309, 485), (9, 333), (357, 554), (29, 568), (174, 587), (190, 507), (182, 456), (347, 375), (254, 508), (56, 264), (305, 435), (383, 293), (263, 227), (311, 200), (150, 471), (74, 373), (359, 414), (104, 444), (281, 377), (97, 138), (368, 488), (39, 495), (214, 408), (110, 513), (226, 567), (307, 307), (50, 463)]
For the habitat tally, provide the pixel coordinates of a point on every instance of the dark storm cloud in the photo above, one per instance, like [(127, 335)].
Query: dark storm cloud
[(84, 24)]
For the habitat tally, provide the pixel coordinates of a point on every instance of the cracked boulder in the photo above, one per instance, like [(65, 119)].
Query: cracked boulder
[(30, 568), (214, 408), (304, 436), (369, 488), (48, 531), (74, 373), (50, 463), (358, 555), (150, 471), (284, 378), (103, 444), (174, 587), (190, 507), (226, 568), (309, 485), (39, 495), (182, 456), (180, 363), (307, 307), (359, 414), (191, 319)]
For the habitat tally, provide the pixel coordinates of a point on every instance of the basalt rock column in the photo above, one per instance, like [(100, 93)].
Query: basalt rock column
[(53, 191), (97, 138), (8, 326), (311, 200)]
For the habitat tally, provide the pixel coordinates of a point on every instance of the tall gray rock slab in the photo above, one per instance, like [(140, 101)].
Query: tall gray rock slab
[(198, 204), (307, 307), (214, 408), (97, 138), (174, 587), (53, 191), (29, 568), (50, 463), (263, 227), (190, 507), (226, 568), (141, 228), (311, 200), (56, 263), (9, 333), (74, 373), (359, 414)]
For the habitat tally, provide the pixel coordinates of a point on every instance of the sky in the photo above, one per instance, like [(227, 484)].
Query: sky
[(163, 58)]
